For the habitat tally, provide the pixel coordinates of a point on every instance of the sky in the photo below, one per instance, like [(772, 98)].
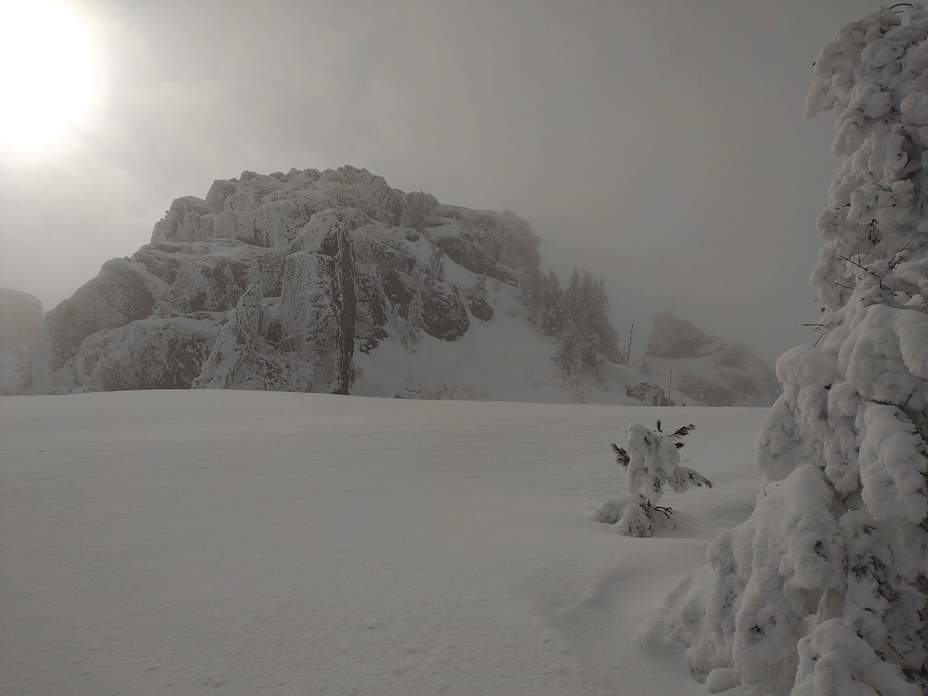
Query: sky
[(658, 143)]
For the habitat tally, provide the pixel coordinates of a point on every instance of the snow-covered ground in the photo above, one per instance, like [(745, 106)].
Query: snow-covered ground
[(198, 542)]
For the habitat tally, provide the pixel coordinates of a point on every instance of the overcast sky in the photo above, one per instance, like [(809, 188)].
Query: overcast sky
[(659, 143)]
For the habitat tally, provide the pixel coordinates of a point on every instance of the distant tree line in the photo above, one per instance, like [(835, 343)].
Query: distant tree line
[(578, 316)]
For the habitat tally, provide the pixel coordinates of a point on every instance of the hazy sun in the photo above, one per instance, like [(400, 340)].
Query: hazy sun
[(48, 73)]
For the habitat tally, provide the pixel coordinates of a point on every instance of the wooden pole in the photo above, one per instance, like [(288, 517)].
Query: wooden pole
[(628, 351)]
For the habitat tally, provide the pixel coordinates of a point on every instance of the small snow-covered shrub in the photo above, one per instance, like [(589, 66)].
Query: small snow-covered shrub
[(652, 460)]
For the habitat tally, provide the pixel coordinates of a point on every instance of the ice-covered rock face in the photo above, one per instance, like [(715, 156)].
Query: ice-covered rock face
[(20, 317), (270, 210), (677, 338), (277, 282), (707, 369)]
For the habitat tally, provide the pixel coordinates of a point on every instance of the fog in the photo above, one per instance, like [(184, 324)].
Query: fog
[(660, 144)]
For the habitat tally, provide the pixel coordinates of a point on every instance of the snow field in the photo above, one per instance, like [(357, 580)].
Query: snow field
[(203, 542)]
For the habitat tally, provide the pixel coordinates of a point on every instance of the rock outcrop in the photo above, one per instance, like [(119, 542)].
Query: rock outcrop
[(335, 282), (278, 282), (677, 338), (706, 369)]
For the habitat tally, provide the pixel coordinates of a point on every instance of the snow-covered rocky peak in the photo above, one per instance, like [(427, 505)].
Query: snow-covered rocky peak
[(333, 281), (325, 281), (271, 209), (707, 369)]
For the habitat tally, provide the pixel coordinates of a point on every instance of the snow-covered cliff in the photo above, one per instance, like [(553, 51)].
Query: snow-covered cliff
[(326, 281)]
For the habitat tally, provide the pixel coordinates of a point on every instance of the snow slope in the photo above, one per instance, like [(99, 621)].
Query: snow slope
[(204, 542), (506, 359)]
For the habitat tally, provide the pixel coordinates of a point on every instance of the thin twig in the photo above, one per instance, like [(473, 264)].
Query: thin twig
[(863, 268), (897, 257)]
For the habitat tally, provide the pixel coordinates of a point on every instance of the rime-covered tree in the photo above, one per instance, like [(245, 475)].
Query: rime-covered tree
[(652, 460), (578, 316), (572, 342), (587, 337), (533, 284), (576, 352), (413, 336), (607, 337), (480, 287), (418, 207), (552, 312), (823, 591), (436, 269), (542, 297)]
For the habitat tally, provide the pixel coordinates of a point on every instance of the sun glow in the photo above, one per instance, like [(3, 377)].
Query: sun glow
[(49, 74)]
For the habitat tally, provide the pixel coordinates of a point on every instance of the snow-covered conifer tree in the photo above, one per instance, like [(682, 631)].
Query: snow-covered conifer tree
[(480, 287), (418, 207), (552, 314), (413, 336), (608, 337), (436, 270), (823, 591), (652, 460)]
